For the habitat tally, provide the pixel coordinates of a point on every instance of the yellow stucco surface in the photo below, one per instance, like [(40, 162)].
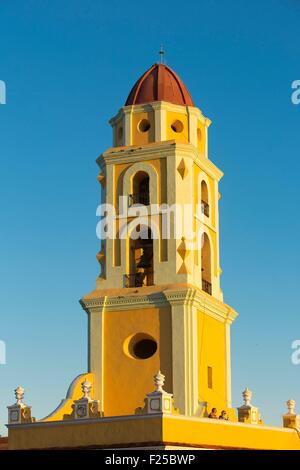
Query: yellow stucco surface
[(217, 434), (149, 430), (182, 136), (127, 380), (74, 393), (211, 353), (139, 137)]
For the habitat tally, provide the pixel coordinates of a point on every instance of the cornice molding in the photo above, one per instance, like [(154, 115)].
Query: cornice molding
[(119, 155), (190, 298), (159, 105)]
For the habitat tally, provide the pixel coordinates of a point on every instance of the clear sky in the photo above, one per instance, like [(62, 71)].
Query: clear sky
[(68, 67)]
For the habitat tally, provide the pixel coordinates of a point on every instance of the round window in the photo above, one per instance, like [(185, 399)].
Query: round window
[(140, 346), (144, 125), (177, 126), (144, 348)]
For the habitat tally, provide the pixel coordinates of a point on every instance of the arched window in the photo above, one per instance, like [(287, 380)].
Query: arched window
[(204, 199), (206, 264), (140, 189), (140, 258)]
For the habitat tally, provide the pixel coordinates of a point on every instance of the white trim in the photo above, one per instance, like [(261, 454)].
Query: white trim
[(153, 177), (161, 298)]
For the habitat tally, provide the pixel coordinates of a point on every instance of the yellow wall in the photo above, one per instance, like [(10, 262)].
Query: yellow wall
[(82, 434), (120, 170), (212, 353), (215, 434), (211, 227), (127, 380), (149, 430), (183, 136), (201, 137), (212, 200), (138, 137)]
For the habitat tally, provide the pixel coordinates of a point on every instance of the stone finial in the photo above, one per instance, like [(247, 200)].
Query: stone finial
[(291, 407), (159, 401), (159, 381), (291, 419), (19, 394), (19, 412), (247, 395), (86, 387), (86, 407), (247, 413)]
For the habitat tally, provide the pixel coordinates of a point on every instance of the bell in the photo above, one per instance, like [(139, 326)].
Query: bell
[(144, 262)]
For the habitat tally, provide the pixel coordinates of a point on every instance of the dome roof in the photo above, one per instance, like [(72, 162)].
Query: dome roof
[(159, 83)]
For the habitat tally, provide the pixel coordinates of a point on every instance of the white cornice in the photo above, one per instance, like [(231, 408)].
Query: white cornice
[(190, 297), (119, 155)]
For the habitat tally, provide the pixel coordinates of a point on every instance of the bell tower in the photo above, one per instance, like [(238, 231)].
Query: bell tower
[(158, 304)]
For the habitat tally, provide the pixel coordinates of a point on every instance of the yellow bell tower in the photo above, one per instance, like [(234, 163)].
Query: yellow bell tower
[(157, 310), (158, 304)]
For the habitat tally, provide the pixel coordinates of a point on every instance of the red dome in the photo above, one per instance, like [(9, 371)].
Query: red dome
[(159, 83)]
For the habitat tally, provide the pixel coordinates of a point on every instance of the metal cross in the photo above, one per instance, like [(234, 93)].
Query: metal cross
[(161, 53)]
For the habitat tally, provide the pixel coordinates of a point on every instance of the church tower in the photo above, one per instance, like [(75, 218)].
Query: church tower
[(158, 304), (157, 311)]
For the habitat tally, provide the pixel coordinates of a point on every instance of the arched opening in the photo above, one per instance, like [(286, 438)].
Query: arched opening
[(206, 264), (204, 199), (140, 189), (140, 258)]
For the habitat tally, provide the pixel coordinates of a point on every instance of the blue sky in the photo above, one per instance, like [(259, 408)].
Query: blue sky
[(68, 67)]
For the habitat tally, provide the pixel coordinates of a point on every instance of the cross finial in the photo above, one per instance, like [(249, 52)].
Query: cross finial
[(161, 54)]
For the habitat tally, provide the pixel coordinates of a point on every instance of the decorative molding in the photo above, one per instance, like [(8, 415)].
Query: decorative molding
[(19, 412), (85, 407), (182, 169), (159, 401), (291, 419), (189, 296), (247, 413), (159, 150), (102, 180)]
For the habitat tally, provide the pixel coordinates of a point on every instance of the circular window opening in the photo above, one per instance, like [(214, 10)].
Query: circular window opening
[(141, 346), (144, 125), (177, 126), (144, 348)]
